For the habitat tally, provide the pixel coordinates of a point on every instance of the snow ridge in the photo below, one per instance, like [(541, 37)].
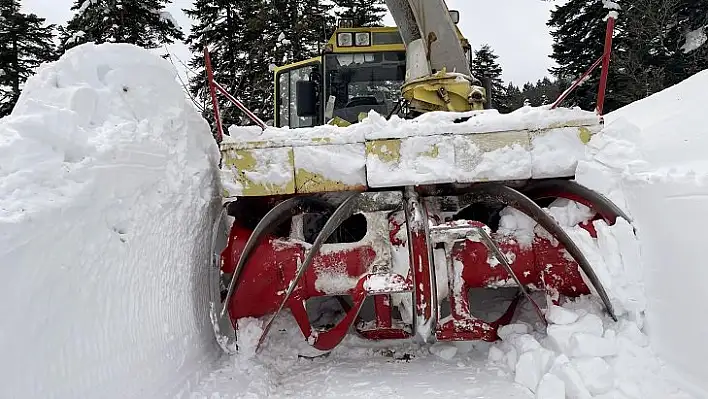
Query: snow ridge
[(108, 189)]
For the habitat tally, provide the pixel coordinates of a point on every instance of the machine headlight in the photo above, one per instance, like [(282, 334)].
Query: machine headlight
[(363, 39), (345, 39)]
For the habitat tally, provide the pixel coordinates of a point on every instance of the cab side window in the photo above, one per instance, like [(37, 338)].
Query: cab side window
[(287, 98), (284, 99)]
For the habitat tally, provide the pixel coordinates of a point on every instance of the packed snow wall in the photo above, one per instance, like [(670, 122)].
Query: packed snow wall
[(108, 192), (652, 159)]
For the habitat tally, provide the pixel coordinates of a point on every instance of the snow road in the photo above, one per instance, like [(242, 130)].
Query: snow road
[(367, 377), (288, 368), (108, 189)]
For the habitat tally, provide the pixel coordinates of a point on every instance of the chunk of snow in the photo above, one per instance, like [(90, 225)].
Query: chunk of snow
[(334, 281), (569, 213), (611, 14), (511, 357), (85, 5), (556, 152), (559, 335), (574, 386), (249, 331), (443, 350), (531, 366), (695, 39), (550, 387), (561, 315), (506, 331), (517, 224), (524, 342), (611, 5), (589, 345), (350, 168), (495, 354), (168, 17), (597, 375)]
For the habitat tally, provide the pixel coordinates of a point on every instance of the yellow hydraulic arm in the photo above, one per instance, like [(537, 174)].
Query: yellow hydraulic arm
[(438, 76)]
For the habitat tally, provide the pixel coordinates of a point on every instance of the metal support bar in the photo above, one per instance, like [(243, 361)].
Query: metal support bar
[(501, 258), (422, 265), (605, 61), (575, 84), (214, 86), (242, 107)]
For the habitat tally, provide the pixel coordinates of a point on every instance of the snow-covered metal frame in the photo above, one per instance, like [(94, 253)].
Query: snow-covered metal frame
[(413, 261), (373, 155)]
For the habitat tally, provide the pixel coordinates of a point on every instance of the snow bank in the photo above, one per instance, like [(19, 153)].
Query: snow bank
[(651, 160), (583, 353), (107, 196), (670, 126)]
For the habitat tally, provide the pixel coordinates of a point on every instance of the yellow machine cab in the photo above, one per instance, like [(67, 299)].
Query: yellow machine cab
[(361, 69)]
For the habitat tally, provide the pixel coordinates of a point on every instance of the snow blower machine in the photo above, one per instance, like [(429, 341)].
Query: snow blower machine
[(386, 187)]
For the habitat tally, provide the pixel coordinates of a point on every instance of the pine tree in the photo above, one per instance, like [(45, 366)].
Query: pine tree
[(223, 25), (690, 34), (485, 66), (544, 92), (245, 37), (25, 43), (578, 30), (362, 12), (658, 42), (514, 98), (650, 49), (144, 23), (303, 25)]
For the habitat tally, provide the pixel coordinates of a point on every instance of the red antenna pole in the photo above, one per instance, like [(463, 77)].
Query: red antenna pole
[(606, 62), (214, 100)]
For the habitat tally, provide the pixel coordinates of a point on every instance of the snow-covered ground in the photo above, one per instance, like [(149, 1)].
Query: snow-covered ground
[(109, 188), (107, 193)]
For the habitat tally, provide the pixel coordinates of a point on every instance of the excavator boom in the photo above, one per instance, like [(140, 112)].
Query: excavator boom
[(435, 59), (427, 27)]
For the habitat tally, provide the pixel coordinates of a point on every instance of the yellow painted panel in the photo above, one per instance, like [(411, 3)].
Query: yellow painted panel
[(310, 182), (387, 151), (258, 172), (329, 168)]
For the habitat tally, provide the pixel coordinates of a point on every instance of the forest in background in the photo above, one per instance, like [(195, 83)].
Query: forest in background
[(658, 43)]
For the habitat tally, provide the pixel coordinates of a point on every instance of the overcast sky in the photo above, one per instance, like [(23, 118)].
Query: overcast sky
[(515, 29)]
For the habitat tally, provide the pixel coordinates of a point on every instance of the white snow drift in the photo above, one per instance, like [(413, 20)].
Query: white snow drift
[(107, 195), (650, 160), (653, 153)]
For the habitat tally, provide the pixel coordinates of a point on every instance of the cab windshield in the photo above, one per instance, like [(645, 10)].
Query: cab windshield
[(356, 83)]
